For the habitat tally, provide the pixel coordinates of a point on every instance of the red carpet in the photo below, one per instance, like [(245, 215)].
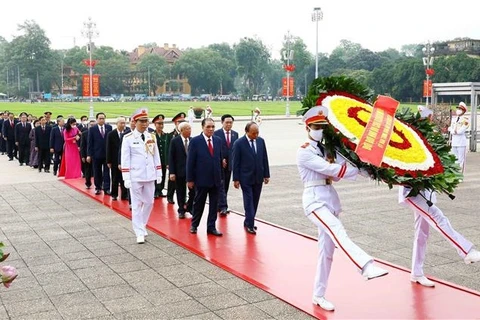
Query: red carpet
[(282, 263)]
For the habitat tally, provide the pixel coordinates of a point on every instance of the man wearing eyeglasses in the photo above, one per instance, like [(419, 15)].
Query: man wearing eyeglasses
[(204, 173)]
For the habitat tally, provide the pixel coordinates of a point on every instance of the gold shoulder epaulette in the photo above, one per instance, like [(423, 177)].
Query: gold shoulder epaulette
[(306, 144)]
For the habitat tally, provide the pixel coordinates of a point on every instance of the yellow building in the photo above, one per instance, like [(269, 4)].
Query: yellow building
[(171, 54)]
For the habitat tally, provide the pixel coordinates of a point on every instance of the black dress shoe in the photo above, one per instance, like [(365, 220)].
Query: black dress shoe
[(114, 198), (108, 193), (47, 171), (97, 192), (223, 213), (251, 230), (170, 201), (21, 164), (215, 233), (181, 215), (88, 187), (11, 159), (163, 195), (193, 230)]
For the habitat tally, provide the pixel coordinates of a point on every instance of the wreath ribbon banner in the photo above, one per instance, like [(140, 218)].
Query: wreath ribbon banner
[(377, 134)]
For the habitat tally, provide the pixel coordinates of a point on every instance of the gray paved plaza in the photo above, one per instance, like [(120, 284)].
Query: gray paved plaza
[(78, 259)]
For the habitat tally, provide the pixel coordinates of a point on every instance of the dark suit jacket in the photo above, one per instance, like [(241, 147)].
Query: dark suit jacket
[(177, 157), (42, 139), (7, 130), (83, 144), (56, 139), (97, 145), (227, 151), (250, 168), (163, 144), (22, 133), (202, 168), (113, 147)]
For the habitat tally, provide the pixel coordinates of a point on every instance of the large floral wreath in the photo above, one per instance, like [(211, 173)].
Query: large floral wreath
[(417, 154)]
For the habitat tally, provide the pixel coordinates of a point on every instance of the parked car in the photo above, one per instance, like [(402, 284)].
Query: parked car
[(165, 97)]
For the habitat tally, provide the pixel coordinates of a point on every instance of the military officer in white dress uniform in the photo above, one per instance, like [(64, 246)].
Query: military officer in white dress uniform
[(141, 167), (457, 131), (322, 206)]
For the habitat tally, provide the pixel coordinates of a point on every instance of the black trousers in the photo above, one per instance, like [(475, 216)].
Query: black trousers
[(3, 145), (88, 173), (199, 205), (184, 205), (101, 174), (24, 153), (43, 159), (57, 160), (117, 180), (170, 189), (159, 186), (11, 149)]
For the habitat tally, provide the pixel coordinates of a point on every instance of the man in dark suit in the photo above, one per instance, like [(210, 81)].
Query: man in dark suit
[(178, 169), (83, 124), (3, 145), (179, 117), (56, 144), (228, 138), (204, 173), (87, 167), (8, 134), (97, 154), (250, 171), (163, 143), (114, 140), (42, 145), (22, 139)]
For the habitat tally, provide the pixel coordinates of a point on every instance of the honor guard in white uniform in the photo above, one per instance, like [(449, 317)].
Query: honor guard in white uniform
[(457, 132), (424, 217), (322, 206), (141, 167)]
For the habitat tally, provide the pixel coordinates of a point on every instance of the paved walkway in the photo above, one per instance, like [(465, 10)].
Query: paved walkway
[(78, 259)]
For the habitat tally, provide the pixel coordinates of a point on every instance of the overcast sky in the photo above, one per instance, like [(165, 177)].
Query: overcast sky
[(376, 25)]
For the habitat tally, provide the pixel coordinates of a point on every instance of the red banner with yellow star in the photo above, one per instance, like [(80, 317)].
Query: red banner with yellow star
[(377, 134)]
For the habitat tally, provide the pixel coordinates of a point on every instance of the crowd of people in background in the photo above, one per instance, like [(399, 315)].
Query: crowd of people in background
[(197, 166)]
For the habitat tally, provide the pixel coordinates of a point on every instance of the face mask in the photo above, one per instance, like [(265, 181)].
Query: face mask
[(85, 123), (316, 135), (459, 112)]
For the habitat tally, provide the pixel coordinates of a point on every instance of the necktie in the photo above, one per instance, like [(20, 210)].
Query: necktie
[(23, 125), (43, 129), (11, 124), (228, 139), (101, 132), (253, 146), (458, 118), (143, 137), (210, 147), (186, 145), (322, 149)]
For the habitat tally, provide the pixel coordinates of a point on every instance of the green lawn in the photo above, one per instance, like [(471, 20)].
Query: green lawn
[(169, 109)]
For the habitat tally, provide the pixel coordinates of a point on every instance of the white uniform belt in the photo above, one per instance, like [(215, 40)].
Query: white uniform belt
[(314, 183)]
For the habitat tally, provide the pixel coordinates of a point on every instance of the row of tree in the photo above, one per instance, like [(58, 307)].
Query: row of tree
[(29, 64)]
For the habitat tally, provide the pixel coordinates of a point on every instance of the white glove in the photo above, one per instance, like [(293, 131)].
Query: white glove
[(159, 180), (127, 184), (364, 173)]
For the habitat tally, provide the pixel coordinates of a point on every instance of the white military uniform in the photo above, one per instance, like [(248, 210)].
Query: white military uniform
[(141, 165), (459, 139), (322, 207), (425, 217)]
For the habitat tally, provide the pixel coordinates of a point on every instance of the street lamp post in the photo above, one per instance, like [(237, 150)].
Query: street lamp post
[(288, 55), (428, 62), (317, 15), (90, 31), (61, 89)]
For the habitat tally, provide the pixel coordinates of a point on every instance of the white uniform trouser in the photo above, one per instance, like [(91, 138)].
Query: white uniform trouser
[(424, 218), (331, 233), (142, 196), (460, 153)]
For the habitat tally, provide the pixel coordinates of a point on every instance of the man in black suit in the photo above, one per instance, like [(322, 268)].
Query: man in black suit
[(228, 138), (83, 124), (42, 145), (3, 146), (8, 134), (56, 144), (22, 139), (178, 169), (87, 167), (114, 140), (180, 117), (204, 173), (97, 153), (250, 171)]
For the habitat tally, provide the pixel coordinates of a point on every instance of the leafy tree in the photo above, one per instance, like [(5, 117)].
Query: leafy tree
[(303, 61), (156, 67)]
